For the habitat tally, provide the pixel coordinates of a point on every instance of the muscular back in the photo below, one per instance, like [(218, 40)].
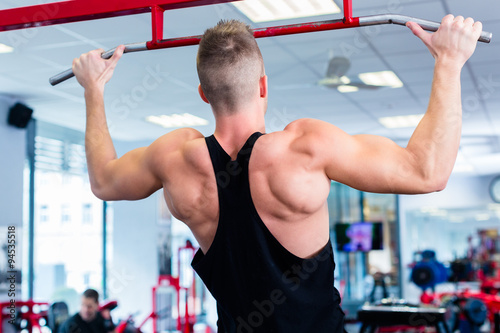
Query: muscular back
[(289, 171), (288, 185)]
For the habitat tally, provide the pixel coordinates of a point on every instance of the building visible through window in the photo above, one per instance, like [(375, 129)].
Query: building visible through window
[(87, 213), (65, 213), (44, 213), (68, 240)]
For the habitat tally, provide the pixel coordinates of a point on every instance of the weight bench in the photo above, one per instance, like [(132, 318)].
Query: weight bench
[(373, 317)]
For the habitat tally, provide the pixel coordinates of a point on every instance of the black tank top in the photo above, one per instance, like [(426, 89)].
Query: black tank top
[(258, 284)]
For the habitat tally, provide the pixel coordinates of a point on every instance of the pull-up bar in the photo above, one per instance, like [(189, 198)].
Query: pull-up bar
[(276, 31), (81, 10)]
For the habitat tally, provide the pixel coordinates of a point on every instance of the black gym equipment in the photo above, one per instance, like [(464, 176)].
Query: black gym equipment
[(19, 115)]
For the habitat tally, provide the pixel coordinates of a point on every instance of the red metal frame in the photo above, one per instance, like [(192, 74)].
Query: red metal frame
[(157, 22), (83, 10), (347, 22), (348, 11), (29, 314), (282, 30)]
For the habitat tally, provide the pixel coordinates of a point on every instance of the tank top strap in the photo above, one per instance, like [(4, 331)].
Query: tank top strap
[(222, 162), (244, 154), (220, 159)]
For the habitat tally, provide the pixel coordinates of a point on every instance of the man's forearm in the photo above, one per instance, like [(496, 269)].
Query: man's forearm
[(436, 139), (98, 144)]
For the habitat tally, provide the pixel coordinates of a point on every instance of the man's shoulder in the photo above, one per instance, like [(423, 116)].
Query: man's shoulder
[(181, 147), (306, 125), (176, 141), (302, 138), (179, 137), (301, 131)]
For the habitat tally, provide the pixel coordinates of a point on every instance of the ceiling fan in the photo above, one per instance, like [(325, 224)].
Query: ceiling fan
[(335, 76)]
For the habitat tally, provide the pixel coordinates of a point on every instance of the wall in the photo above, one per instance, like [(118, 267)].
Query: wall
[(12, 161), (461, 192), (12, 158)]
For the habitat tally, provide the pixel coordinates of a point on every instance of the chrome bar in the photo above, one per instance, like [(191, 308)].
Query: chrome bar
[(67, 74), (402, 20)]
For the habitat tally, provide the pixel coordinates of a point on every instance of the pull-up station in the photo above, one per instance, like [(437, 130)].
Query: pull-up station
[(83, 10)]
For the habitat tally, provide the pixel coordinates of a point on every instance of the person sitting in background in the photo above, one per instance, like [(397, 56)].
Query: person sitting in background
[(89, 319)]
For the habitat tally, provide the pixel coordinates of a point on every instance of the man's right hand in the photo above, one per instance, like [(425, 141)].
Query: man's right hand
[(454, 41), (92, 71)]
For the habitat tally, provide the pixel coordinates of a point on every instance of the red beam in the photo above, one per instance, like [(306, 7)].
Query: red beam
[(263, 32), (348, 11), (83, 10), (157, 22), (305, 27)]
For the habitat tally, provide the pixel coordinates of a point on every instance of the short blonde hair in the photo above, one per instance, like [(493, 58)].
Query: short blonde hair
[(229, 64)]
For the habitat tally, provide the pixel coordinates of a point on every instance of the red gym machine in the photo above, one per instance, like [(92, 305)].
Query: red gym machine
[(174, 298), (24, 315)]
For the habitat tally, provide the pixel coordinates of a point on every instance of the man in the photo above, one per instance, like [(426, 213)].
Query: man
[(257, 204), (89, 319)]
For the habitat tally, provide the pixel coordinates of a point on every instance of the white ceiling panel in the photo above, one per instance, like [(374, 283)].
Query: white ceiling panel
[(403, 42), (392, 107), (108, 33), (405, 61), (391, 6), (479, 10)]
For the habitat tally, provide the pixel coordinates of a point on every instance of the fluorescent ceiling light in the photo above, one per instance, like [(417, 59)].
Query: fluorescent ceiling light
[(272, 10), (434, 211), (345, 80), (177, 120), (5, 48), (463, 168), (462, 165), (401, 121), (456, 219), (494, 206), (384, 78), (483, 217), (347, 89)]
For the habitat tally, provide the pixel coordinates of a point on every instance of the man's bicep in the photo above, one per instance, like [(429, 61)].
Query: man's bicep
[(373, 164), (129, 177), (141, 172)]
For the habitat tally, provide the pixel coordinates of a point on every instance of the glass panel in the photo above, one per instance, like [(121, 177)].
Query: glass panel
[(384, 264), (68, 247), (358, 272), (465, 240), (68, 220)]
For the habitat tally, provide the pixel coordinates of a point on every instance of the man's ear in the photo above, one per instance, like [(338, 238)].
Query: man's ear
[(202, 94), (263, 86)]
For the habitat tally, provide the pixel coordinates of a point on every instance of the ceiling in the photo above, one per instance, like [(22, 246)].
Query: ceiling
[(293, 64)]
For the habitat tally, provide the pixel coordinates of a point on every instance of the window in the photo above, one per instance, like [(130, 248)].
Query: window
[(65, 213), (68, 253), (87, 213), (44, 213), (347, 205), (86, 278)]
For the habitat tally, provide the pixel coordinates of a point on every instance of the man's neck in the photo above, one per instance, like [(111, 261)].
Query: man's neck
[(232, 131)]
